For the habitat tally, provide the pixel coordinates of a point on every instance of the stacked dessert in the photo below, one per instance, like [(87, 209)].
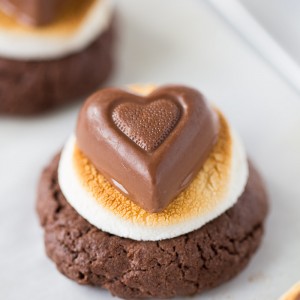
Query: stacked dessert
[(52, 52), (153, 195)]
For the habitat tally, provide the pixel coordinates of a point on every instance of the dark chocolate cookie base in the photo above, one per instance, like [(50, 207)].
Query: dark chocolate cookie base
[(31, 87), (182, 266)]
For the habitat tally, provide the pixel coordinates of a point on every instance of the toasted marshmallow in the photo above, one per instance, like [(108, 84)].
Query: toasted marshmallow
[(75, 29), (214, 190)]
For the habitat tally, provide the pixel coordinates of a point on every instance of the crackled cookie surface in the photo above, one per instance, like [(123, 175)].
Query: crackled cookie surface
[(185, 265)]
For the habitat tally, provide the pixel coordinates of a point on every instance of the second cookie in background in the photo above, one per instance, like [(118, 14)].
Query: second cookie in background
[(50, 60)]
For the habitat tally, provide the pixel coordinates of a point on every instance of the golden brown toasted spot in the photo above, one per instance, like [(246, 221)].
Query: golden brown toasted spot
[(200, 197), (69, 19), (142, 89)]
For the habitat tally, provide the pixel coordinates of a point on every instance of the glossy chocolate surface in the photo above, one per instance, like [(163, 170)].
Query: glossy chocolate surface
[(150, 148), (32, 12)]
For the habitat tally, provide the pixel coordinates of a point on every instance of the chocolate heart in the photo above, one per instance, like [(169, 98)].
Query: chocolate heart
[(150, 148), (147, 125)]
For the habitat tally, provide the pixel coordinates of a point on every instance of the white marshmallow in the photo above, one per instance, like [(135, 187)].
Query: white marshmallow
[(104, 219)]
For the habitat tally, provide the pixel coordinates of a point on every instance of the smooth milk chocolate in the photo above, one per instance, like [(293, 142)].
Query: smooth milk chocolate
[(32, 12), (150, 148)]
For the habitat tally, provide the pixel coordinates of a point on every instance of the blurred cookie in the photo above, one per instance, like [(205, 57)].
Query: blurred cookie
[(42, 67)]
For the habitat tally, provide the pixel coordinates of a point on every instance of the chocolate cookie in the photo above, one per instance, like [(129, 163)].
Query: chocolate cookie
[(30, 87), (182, 266)]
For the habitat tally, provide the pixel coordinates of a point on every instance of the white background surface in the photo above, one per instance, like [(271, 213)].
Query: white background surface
[(281, 19), (170, 41)]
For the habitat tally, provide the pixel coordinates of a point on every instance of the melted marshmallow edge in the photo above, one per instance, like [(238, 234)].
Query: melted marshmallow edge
[(104, 219)]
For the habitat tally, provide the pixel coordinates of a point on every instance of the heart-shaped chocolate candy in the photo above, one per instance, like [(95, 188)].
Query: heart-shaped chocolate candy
[(149, 148)]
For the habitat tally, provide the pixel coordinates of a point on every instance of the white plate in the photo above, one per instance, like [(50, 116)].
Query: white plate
[(166, 41), (281, 19)]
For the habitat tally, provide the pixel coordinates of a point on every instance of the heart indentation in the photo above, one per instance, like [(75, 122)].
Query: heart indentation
[(147, 125)]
